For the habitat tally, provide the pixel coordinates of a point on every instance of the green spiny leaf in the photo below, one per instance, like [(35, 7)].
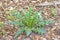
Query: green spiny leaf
[(20, 31), (28, 31)]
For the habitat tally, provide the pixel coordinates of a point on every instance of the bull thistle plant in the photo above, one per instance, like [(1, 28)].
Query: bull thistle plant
[(28, 21)]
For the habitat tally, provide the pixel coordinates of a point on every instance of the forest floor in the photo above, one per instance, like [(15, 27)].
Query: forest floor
[(53, 30)]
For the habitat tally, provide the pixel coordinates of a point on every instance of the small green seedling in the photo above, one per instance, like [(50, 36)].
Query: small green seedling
[(53, 11), (1, 26), (3, 32)]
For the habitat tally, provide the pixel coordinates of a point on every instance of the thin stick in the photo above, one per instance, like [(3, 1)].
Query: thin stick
[(49, 4)]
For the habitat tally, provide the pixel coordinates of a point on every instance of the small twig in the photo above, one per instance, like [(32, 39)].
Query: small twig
[(56, 7), (46, 4), (49, 4)]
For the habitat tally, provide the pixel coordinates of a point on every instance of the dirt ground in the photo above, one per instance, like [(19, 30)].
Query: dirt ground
[(53, 30)]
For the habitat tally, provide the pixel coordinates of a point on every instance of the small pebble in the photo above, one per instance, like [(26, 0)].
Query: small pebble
[(44, 39)]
